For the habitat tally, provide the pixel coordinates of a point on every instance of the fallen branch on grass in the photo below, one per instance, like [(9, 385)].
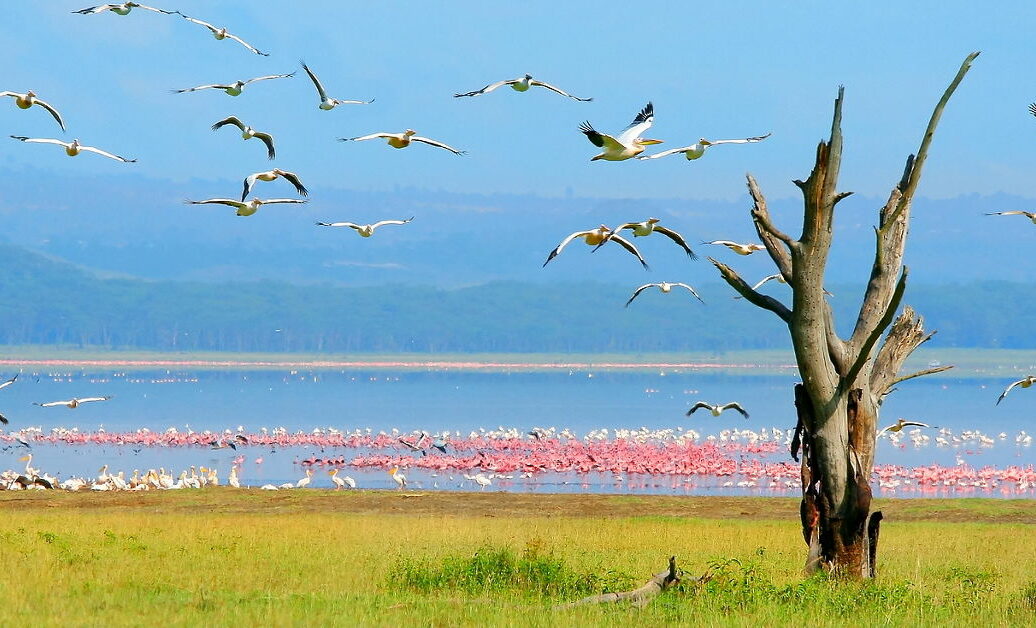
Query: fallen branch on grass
[(638, 597)]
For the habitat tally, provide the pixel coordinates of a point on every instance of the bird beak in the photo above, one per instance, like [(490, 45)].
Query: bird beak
[(649, 142), (23, 459)]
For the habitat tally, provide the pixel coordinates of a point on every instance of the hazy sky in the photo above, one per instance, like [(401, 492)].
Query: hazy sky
[(713, 69)]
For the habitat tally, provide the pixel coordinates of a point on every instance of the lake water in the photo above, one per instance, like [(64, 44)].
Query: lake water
[(465, 401)]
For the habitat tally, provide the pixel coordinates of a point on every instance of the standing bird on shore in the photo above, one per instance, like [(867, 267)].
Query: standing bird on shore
[(222, 33), (594, 237), (235, 88), (694, 151), (665, 287), (342, 482), (899, 425), (1016, 212), (365, 231), (121, 8), (629, 143), (28, 99), (737, 247), (304, 482), (326, 102), (248, 133), (521, 85), (717, 409), (247, 208), (646, 228), (271, 175), (1025, 382), (73, 148), (402, 140), (398, 477), (74, 402)]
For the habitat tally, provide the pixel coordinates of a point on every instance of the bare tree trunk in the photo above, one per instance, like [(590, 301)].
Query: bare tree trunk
[(843, 381), (640, 596)]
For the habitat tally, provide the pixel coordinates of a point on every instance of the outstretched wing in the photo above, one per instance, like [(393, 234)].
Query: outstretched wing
[(39, 140), (390, 222), (1007, 390), (557, 250), (626, 244), (9, 382), (229, 120), (1032, 108), (247, 45), (676, 237), (765, 279), (267, 139), (723, 242), (698, 406), (733, 405), (1013, 212), (89, 399), (104, 153), (281, 201), (558, 91), (293, 178), (51, 404), (53, 112), (200, 87), (372, 136), (666, 153), (692, 290), (637, 292), (747, 140), (218, 201), (641, 123), (267, 78), (487, 88), (417, 138), (351, 225), (316, 81), (602, 140)]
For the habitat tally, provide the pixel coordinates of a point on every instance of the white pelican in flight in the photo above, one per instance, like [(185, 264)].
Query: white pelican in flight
[(779, 278), (646, 228), (121, 8), (326, 102), (247, 208), (629, 143), (28, 99), (222, 33), (737, 247), (248, 133), (665, 286), (1025, 382), (1015, 212), (270, 175), (365, 231), (74, 402), (899, 425), (717, 410), (521, 85), (694, 151), (594, 237), (402, 140), (235, 88), (73, 148), (9, 382)]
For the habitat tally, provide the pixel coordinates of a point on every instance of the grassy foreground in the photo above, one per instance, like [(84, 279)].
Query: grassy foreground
[(224, 557)]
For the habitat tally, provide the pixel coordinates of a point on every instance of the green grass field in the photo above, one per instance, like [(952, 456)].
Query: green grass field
[(221, 557)]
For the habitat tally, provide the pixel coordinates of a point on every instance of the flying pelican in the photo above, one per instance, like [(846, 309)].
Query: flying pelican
[(694, 151), (9, 382), (899, 425), (73, 402), (779, 278), (402, 140), (593, 237), (740, 249), (28, 99), (717, 410), (341, 482), (365, 231), (326, 102), (665, 286), (1030, 215), (248, 133), (629, 143), (398, 477), (222, 33), (304, 482), (270, 175), (247, 208), (121, 8), (521, 85), (73, 148), (235, 88), (648, 227), (1025, 382)]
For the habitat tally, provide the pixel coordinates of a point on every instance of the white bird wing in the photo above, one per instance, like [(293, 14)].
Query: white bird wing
[(560, 247), (147, 8), (11, 94), (724, 242), (40, 140), (271, 76), (733, 405), (699, 406), (351, 225), (51, 404), (642, 122), (219, 201), (9, 382), (249, 182), (338, 101), (247, 45), (274, 201), (915, 423), (201, 22), (430, 142), (53, 112), (293, 179), (626, 244), (637, 292), (200, 87), (677, 238), (1007, 390), (602, 140), (103, 153), (764, 280), (487, 88), (1013, 212), (372, 136), (100, 8), (316, 81), (267, 139), (391, 222), (229, 120), (557, 90), (89, 399), (747, 140), (666, 153), (692, 290)]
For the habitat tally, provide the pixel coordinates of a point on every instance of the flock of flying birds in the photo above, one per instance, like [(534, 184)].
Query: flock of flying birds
[(628, 144)]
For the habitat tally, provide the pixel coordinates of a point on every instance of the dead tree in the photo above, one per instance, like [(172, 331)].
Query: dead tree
[(844, 381), (640, 596)]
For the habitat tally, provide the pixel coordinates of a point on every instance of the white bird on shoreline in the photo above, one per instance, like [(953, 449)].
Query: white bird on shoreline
[(1025, 382), (1016, 212), (248, 133), (222, 33), (694, 151), (398, 477), (235, 88), (271, 175), (665, 287), (74, 402), (899, 425), (341, 482), (304, 482), (737, 247), (247, 208), (28, 99), (521, 85), (717, 409), (402, 140), (365, 231), (73, 148), (629, 143), (594, 237), (121, 8), (326, 102)]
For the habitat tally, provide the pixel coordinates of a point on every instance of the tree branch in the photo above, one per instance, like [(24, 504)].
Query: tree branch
[(905, 335), (864, 351), (760, 300), (931, 371), (771, 236)]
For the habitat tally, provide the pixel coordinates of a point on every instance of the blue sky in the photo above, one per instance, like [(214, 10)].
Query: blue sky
[(713, 69)]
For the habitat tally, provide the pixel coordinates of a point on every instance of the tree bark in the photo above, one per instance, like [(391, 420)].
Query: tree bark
[(843, 381), (638, 597)]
